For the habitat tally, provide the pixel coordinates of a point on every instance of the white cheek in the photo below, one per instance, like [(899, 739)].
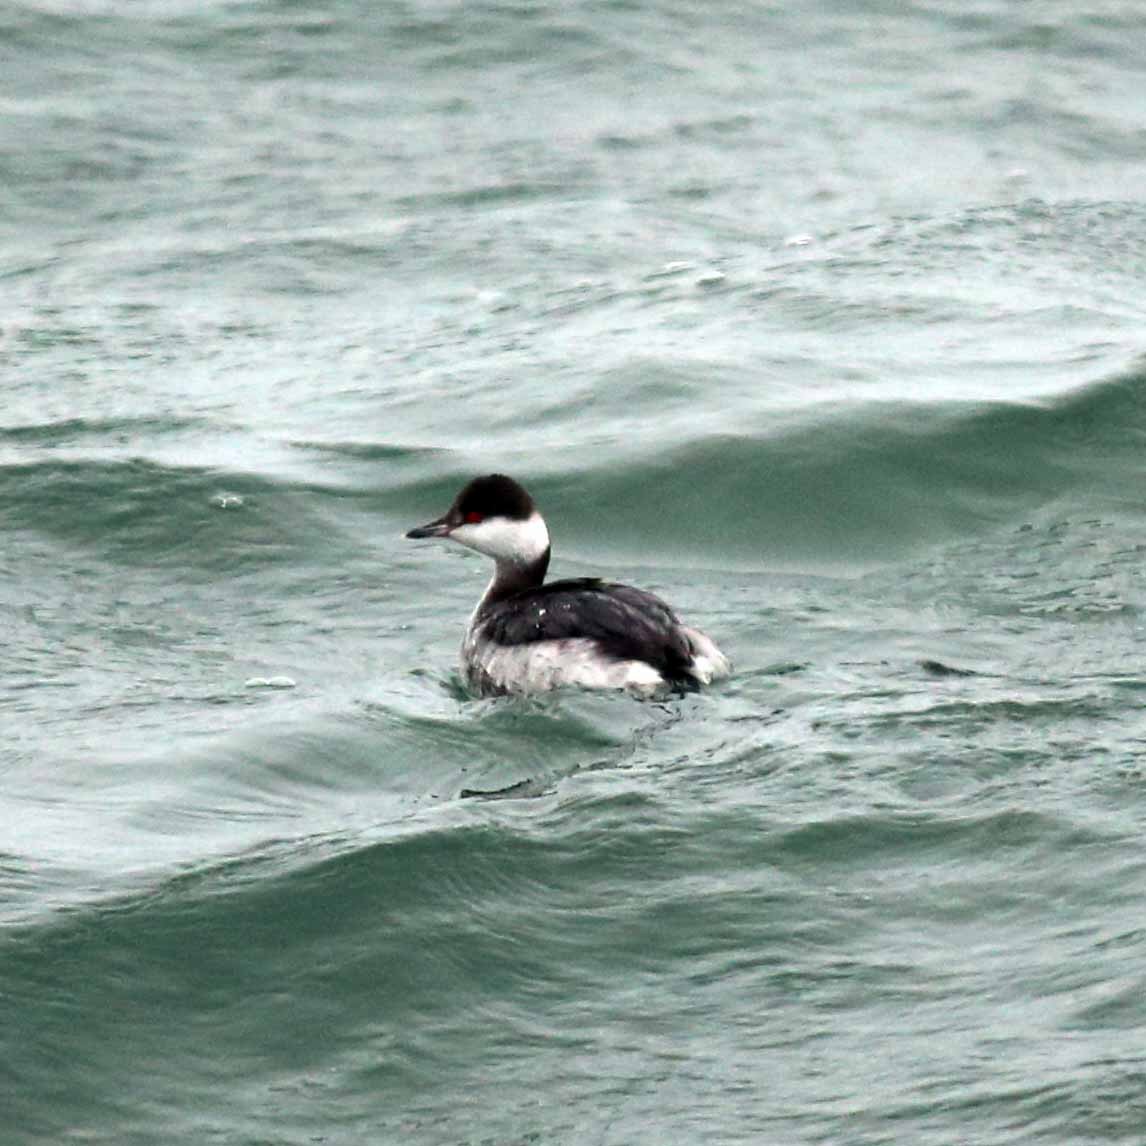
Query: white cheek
[(503, 539), (464, 535)]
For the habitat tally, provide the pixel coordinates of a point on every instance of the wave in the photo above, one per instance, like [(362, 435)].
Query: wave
[(869, 480), (134, 511), (858, 482)]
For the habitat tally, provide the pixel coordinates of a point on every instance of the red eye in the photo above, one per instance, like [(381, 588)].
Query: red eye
[(472, 518)]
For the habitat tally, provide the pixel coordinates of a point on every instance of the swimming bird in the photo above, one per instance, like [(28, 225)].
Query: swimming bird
[(528, 635)]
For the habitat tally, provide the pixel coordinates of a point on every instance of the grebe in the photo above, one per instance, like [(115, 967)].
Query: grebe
[(527, 636)]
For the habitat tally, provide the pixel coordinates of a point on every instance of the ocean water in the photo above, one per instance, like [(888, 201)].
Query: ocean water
[(824, 321)]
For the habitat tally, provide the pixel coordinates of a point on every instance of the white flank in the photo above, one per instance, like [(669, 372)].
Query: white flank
[(543, 665)]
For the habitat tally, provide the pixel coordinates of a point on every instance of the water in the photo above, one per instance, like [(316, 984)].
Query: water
[(823, 321)]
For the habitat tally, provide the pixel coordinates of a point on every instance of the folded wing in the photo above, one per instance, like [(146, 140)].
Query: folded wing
[(626, 623)]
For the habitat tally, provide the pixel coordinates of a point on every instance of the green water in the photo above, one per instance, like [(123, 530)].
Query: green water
[(825, 325)]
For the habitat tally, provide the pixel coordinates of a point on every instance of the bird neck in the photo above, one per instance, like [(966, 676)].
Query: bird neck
[(511, 577)]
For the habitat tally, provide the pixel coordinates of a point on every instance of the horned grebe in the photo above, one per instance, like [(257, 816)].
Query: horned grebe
[(527, 636)]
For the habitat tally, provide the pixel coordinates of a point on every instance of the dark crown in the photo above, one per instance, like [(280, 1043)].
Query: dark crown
[(494, 495)]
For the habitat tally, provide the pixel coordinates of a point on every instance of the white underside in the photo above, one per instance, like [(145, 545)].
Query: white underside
[(576, 661), (543, 665)]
